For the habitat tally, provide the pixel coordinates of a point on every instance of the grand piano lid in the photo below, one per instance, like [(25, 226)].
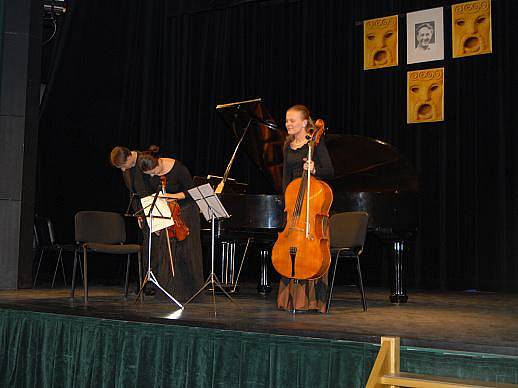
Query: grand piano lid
[(264, 140), (367, 164)]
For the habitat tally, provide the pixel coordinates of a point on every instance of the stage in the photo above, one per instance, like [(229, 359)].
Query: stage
[(461, 334)]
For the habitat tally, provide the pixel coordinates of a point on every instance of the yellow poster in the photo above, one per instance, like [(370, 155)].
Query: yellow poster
[(380, 48), (471, 28), (425, 95)]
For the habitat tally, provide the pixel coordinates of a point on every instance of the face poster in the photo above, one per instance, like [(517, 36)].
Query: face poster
[(425, 95), (380, 48), (425, 36), (471, 28)]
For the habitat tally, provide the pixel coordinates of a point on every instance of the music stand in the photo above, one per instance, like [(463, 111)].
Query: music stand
[(212, 210), (150, 216)]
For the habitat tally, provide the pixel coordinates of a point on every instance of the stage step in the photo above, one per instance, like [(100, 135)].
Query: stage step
[(386, 373), (425, 381)]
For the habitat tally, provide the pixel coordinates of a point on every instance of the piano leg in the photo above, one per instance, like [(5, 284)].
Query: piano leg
[(228, 264), (264, 287), (398, 289)]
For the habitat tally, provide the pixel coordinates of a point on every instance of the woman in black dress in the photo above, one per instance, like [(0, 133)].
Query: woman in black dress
[(307, 295), (187, 254)]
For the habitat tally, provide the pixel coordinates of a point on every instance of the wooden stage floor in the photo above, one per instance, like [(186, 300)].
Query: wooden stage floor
[(455, 321)]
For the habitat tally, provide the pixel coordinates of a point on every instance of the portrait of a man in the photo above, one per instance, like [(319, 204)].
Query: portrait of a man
[(380, 42), (425, 35), (471, 28), (425, 95)]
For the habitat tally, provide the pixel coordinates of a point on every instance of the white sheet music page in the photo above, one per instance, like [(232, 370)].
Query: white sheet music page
[(208, 201), (161, 209)]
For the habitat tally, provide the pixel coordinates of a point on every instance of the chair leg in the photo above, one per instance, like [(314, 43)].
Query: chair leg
[(328, 307), (63, 269), (81, 269), (85, 274), (59, 261), (76, 259), (140, 280), (38, 269), (139, 258), (127, 276), (360, 280)]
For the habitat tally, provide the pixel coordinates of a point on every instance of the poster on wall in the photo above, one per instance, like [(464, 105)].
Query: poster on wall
[(471, 28), (425, 35), (380, 42), (425, 95)]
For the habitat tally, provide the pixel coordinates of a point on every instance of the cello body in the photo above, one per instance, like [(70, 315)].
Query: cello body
[(293, 255), (302, 249)]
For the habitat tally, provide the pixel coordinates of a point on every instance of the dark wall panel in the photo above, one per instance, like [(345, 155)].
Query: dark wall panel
[(9, 247), (19, 113), (11, 156)]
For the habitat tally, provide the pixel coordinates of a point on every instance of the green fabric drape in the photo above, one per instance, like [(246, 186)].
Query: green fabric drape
[(50, 350)]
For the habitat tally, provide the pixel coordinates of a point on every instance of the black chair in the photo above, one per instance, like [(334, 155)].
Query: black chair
[(347, 232), (103, 232), (45, 241)]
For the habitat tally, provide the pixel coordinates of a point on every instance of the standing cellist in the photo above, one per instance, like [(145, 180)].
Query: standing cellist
[(305, 295)]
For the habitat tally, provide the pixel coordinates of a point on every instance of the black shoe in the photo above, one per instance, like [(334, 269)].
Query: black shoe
[(149, 290)]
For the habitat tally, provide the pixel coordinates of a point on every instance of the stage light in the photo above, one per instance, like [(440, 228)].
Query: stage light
[(54, 7)]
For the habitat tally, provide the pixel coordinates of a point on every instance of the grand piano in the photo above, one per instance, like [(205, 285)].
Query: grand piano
[(370, 175)]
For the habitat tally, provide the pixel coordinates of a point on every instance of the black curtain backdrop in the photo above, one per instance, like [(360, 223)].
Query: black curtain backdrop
[(136, 73)]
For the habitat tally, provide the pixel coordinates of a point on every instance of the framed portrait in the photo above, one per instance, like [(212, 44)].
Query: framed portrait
[(425, 35), (380, 42), (425, 95)]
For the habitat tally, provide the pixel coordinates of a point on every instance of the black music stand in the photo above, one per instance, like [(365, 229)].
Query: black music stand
[(153, 212), (212, 210)]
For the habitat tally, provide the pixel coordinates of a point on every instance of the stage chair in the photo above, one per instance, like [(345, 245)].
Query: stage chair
[(103, 232), (347, 233), (45, 241)]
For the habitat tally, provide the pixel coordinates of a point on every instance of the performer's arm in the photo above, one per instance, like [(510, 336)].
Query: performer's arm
[(286, 172), (184, 179), (323, 165)]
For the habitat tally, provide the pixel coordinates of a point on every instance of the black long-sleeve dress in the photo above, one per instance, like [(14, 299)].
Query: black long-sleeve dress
[(306, 294), (187, 254)]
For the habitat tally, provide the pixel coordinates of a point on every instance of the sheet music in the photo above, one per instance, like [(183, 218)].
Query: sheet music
[(161, 209), (207, 201)]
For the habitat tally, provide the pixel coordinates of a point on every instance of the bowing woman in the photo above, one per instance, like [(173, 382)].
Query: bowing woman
[(306, 295), (139, 185), (187, 254)]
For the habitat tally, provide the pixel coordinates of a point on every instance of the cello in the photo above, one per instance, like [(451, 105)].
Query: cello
[(302, 249)]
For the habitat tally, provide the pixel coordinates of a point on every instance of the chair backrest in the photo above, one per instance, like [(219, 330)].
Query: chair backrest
[(348, 229), (99, 227), (43, 232)]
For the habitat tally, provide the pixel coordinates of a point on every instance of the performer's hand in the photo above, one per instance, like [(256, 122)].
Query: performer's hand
[(140, 221), (173, 196), (309, 166)]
